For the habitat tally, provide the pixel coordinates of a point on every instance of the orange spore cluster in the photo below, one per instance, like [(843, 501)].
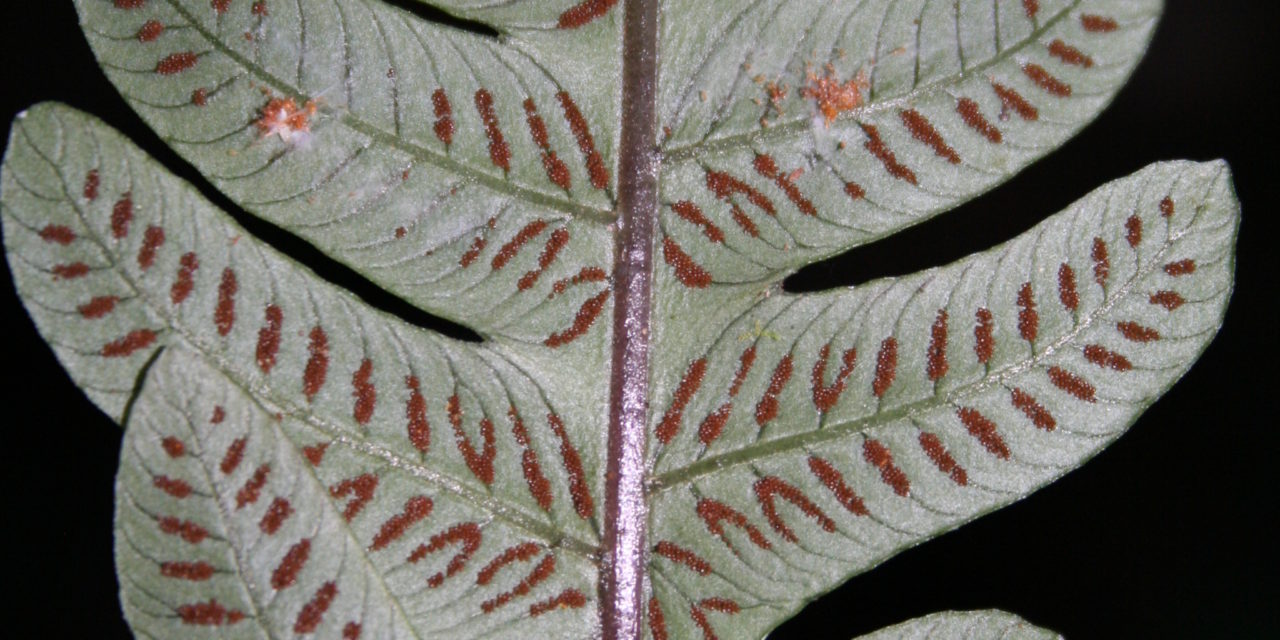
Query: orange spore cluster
[(776, 92), (283, 117), (834, 97)]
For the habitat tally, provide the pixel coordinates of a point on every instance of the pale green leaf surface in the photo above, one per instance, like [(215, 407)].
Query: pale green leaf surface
[(796, 440), (819, 187), (521, 15), (820, 434), (388, 401), (376, 71), (264, 548), (971, 625), (399, 175)]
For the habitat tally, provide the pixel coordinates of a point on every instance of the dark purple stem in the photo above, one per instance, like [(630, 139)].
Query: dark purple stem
[(626, 512)]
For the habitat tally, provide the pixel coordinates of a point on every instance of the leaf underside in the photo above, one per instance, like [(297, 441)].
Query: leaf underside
[(973, 625), (295, 462)]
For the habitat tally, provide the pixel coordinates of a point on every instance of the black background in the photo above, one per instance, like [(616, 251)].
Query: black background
[(1168, 533)]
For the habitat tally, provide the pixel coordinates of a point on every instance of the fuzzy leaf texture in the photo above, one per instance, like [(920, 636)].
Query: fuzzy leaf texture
[(974, 625), (295, 462)]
